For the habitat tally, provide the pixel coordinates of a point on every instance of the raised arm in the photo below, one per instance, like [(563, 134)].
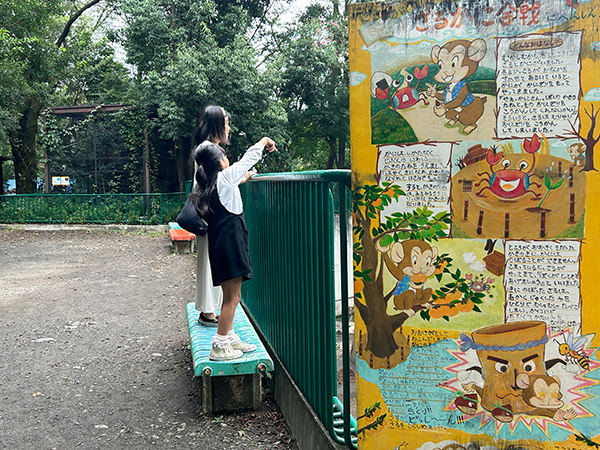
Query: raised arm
[(237, 171)]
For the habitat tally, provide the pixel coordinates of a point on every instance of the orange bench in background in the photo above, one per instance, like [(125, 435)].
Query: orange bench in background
[(183, 241)]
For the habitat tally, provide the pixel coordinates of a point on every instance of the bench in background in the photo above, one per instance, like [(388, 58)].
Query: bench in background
[(182, 240)]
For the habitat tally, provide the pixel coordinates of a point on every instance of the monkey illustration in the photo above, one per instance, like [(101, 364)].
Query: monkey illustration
[(577, 154), (411, 262), (458, 60), (543, 393)]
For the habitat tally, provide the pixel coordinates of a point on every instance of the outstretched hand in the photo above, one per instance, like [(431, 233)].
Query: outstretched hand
[(248, 175), (269, 144)]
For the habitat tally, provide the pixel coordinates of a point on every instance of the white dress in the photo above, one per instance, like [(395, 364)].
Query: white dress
[(209, 298)]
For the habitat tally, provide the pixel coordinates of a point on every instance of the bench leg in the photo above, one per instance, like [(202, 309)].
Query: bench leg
[(207, 395), (183, 246), (231, 393)]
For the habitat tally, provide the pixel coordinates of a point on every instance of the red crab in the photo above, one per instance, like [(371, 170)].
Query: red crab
[(509, 183), (384, 87)]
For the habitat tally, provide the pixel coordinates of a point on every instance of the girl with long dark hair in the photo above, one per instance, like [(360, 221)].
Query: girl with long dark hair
[(219, 203)]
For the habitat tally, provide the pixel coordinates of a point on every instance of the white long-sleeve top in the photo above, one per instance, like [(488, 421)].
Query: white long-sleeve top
[(229, 179)]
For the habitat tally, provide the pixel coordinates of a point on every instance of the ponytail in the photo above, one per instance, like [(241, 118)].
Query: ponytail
[(208, 160)]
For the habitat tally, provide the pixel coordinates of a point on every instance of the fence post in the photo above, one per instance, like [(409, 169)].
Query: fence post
[(345, 327)]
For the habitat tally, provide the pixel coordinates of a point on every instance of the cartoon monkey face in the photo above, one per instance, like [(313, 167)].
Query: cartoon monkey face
[(415, 258), (458, 59), (543, 392), (575, 149)]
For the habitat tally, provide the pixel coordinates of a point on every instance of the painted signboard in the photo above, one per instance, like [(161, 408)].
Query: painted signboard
[(476, 223)]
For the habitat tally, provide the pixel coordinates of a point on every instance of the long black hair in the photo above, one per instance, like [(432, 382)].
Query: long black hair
[(212, 125), (208, 159)]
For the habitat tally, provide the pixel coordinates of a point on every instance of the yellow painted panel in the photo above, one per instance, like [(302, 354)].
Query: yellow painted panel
[(477, 228)]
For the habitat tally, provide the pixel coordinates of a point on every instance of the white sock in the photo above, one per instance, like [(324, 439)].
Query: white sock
[(220, 341), (233, 338)]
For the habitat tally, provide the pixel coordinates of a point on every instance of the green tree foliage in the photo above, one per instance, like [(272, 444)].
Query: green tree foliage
[(181, 55), (188, 54), (41, 45), (313, 61)]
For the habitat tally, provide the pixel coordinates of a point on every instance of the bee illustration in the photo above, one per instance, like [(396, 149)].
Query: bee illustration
[(573, 351)]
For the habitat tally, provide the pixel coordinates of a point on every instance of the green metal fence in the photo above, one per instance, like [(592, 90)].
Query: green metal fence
[(91, 208), (290, 218)]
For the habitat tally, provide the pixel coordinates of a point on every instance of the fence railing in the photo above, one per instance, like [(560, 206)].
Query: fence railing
[(292, 297), (147, 209)]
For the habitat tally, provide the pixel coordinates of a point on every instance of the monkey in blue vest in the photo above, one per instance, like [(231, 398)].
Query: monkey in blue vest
[(458, 60)]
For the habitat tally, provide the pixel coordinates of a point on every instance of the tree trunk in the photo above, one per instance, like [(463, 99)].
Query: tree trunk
[(380, 335), (341, 153), (380, 326), (590, 141), (332, 152), (589, 157), (23, 146), (183, 161)]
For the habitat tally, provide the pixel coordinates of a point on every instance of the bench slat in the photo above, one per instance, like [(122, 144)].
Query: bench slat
[(201, 340), (181, 235)]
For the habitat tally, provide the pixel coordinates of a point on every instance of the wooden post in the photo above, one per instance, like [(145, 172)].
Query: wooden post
[(572, 208), (506, 224), (480, 222), (46, 159), (466, 210), (360, 345), (543, 224), (571, 176)]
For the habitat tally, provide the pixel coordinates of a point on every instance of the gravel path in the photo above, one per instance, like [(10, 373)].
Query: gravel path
[(94, 349)]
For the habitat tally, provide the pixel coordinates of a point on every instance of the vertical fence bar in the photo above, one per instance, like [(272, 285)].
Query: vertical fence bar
[(345, 319)]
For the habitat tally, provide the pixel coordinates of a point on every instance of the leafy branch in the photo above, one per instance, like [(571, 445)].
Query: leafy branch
[(369, 412), (583, 438), (421, 223)]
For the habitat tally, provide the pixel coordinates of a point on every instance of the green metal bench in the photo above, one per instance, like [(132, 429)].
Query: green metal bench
[(228, 385)]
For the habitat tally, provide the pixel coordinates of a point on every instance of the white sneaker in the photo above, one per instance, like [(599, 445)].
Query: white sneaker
[(243, 346), (224, 353)]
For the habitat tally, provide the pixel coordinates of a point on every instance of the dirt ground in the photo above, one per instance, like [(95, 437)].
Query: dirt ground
[(94, 349)]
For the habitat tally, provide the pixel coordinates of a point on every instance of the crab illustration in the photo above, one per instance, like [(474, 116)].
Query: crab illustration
[(479, 284), (399, 96), (513, 180)]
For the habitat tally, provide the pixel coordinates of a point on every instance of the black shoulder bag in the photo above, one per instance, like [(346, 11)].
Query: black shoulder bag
[(189, 220)]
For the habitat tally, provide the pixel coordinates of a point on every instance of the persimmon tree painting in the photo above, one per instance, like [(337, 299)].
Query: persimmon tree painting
[(373, 236), (588, 139)]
